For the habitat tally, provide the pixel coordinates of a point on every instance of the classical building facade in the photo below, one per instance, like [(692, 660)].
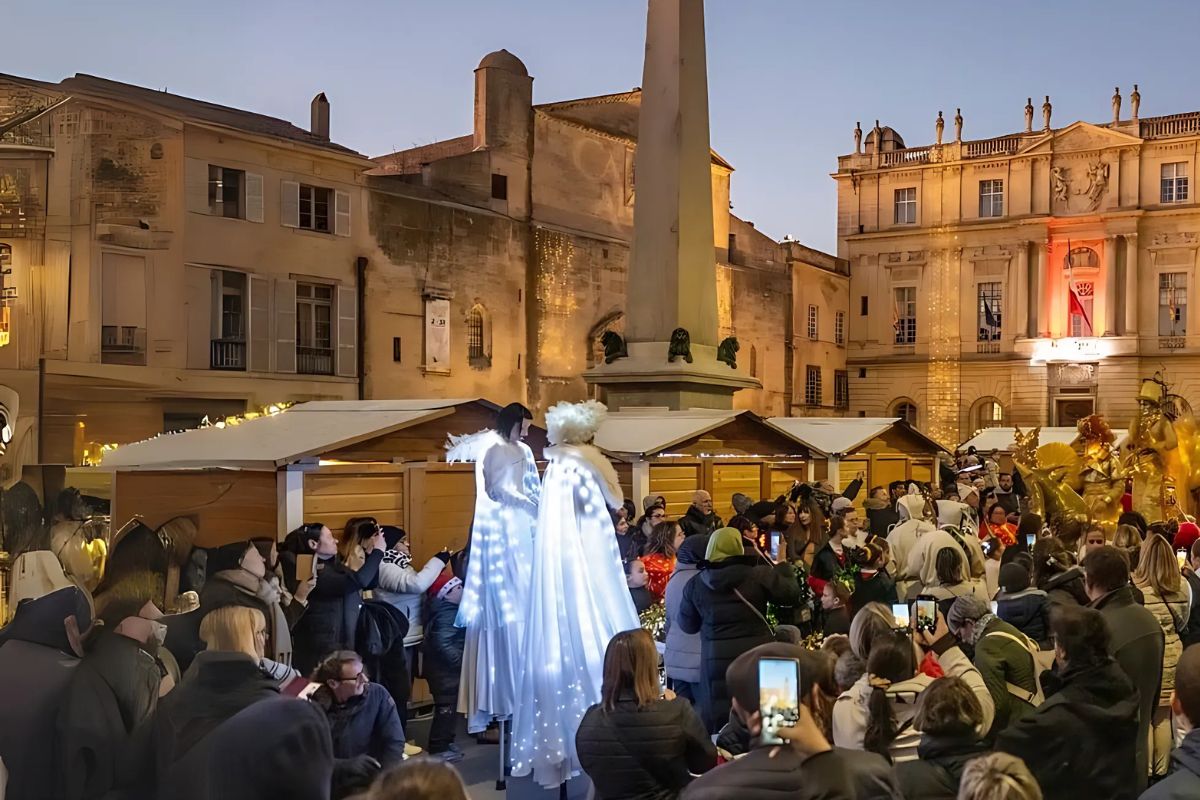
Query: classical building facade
[(1029, 279), (168, 259)]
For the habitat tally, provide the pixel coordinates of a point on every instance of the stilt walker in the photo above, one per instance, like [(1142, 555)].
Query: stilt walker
[(499, 568)]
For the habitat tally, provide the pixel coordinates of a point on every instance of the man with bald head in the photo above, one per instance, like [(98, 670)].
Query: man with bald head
[(700, 519)]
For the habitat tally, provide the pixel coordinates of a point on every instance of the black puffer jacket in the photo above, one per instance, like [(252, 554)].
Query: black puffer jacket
[(1067, 588), (443, 650), (331, 620), (935, 776), (696, 522), (727, 624), (646, 753)]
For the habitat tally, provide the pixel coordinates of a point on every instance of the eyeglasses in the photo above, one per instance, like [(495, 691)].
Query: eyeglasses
[(359, 679)]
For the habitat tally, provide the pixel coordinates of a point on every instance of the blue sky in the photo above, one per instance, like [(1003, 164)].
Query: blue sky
[(788, 78)]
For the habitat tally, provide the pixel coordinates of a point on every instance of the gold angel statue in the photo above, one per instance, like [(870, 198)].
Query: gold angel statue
[(1102, 472), (1050, 472)]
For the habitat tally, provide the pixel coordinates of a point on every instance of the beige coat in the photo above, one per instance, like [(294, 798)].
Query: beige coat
[(1171, 612)]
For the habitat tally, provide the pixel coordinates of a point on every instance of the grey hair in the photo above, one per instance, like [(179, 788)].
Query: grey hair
[(967, 608)]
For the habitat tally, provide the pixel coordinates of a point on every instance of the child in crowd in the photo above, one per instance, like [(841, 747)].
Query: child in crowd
[(636, 579), (835, 598), (443, 648), (1025, 608)]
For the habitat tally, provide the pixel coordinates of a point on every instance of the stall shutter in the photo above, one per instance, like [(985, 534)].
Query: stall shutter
[(347, 332), (285, 325), (259, 335)]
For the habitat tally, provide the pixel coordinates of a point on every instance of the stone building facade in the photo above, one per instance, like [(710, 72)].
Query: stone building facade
[(1030, 279)]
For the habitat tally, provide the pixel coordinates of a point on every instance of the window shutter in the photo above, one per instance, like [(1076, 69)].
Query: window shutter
[(285, 325), (195, 185), (199, 288), (254, 197), (289, 204), (258, 335), (347, 332), (342, 213)]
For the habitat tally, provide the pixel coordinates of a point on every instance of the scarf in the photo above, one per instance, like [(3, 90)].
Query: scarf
[(267, 593), (402, 560), (980, 628)]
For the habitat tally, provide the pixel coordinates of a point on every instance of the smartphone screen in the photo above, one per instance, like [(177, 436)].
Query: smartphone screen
[(1030, 540), (778, 696), (900, 612), (926, 615), (776, 537), (304, 567), (1181, 555)]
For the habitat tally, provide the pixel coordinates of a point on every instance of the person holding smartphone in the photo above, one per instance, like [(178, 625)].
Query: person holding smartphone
[(1002, 654)]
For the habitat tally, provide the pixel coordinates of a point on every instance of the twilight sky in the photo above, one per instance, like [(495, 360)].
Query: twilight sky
[(787, 78)]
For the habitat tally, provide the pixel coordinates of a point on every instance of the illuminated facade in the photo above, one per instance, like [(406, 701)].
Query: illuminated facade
[(1028, 279)]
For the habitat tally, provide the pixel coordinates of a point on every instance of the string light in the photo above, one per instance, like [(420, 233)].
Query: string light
[(945, 346)]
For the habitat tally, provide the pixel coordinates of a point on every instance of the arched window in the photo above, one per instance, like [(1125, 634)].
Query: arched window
[(479, 337), (906, 410), (988, 413)]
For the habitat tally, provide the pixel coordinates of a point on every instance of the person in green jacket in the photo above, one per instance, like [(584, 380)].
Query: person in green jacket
[(1003, 656)]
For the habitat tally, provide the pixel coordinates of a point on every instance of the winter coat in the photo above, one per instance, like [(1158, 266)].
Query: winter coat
[(696, 522), (1171, 611), (1184, 781), (216, 687), (333, 607), (936, 774), (851, 715), (1009, 501), (1066, 588), (1028, 611), (835, 621), (659, 568), (1081, 742), (443, 649), (1001, 662), (826, 564), (682, 655), (367, 724), (1191, 634), (404, 588), (642, 599), (114, 689), (728, 626), (645, 753), (769, 773), (901, 542), (1136, 642), (881, 516), (873, 588), (36, 665), (946, 595), (273, 749)]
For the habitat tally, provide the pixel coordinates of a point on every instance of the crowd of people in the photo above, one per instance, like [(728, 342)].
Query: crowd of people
[(288, 676), (951, 644)]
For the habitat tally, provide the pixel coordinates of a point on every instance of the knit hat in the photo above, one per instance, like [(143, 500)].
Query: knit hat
[(691, 550), (392, 534), (741, 503), (724, 543), (1013, 578), (227, 556), (652, 500), (840, 504), (1188, 533)]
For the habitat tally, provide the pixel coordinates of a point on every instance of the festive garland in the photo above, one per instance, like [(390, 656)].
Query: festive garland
[(654, 621)]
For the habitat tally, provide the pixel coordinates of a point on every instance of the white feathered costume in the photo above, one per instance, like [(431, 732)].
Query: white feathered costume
[(496, 590), (579, 599)]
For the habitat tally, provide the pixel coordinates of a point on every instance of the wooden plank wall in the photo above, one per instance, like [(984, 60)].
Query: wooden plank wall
[(625, 477), (783, 475), (676, 482), (334, 494), (731, 477), (228, 505), (441, 507)]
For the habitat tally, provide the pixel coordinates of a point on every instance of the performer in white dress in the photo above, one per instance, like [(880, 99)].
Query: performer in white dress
[(579, 599), (495, 595)]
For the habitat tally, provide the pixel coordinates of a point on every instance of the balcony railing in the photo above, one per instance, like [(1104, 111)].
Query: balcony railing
[(1173, 125), (314, 360), (228, 354), (1002, 145), (987, 347), (910, 155), (1172, 342)]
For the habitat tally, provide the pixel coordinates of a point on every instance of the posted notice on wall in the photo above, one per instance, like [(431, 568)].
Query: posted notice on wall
[(437, 335)]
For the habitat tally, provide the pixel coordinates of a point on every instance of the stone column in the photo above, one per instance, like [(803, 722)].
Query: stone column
[(1019, 292), (1110, 286), (1131, 284), (1042, 300)]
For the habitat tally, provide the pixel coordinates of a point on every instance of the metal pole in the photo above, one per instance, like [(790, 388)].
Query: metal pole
[(501, 783)]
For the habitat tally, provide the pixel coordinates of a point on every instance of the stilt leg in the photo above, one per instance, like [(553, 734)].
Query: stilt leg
[(501, 781)]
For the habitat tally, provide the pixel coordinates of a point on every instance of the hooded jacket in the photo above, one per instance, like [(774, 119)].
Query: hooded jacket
[(1136, 642), (403, 587), (1081, 742), (851, 714), (882, 516), (682, 655), (922, 562), (1066, 587), (935, 775), (903, 540), (1028, 611), (1184, 781), (730, 625)]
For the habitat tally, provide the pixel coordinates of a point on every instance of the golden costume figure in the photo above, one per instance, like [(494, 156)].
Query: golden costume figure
[(1103, 474), (1049, 473), (1154, 458)]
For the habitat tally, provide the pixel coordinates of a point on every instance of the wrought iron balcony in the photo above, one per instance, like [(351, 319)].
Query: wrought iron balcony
[(314, 360), (228, 354)]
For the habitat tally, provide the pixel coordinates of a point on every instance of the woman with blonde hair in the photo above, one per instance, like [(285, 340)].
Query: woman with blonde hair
[(636, 742), (998, 776), (1166, 597), (419, 779), (235, 629), (1128, 540)]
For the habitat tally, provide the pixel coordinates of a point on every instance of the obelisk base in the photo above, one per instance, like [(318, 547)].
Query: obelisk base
[(647, 379)]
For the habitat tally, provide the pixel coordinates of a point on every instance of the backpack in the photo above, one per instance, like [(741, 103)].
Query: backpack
[(1042, 661)]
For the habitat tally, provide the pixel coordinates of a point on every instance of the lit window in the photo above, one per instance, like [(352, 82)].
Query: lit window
[(225, 191), (839, 327), (904, 313), (1172, 304), (988, 413), (906, 206), (479, 344), (812, 323), (991, 198), (990, 302), (812, 385), (1174, 184), (1081, 298)]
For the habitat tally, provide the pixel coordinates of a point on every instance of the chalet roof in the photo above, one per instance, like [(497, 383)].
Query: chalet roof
[(267, 443), (648, 432), (198, 110), (838, 436)]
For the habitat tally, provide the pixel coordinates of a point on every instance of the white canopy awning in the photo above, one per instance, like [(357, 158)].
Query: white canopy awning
[(267, 443), (650, 431), (837, 436)]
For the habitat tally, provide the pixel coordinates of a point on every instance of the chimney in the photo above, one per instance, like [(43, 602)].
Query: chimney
[(320, 117)]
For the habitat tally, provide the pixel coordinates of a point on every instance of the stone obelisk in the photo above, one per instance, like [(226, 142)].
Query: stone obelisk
[(672, 273)]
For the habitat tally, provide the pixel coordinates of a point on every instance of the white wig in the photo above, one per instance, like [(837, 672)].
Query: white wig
[(574, 423)]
